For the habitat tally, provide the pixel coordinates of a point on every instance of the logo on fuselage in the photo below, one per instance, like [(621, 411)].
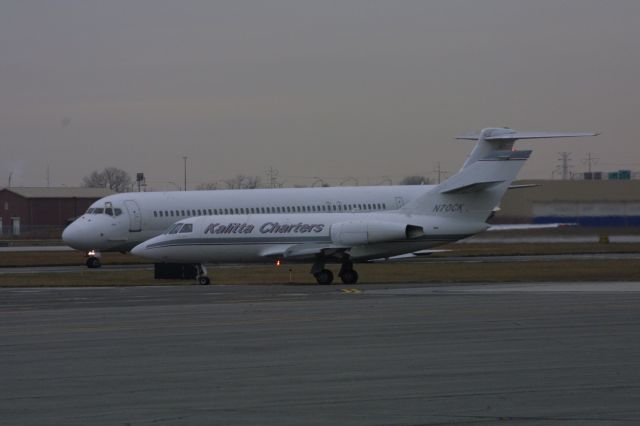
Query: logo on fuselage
[(265, 228)]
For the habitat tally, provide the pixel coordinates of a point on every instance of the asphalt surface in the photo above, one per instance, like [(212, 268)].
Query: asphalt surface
[(565, 354)]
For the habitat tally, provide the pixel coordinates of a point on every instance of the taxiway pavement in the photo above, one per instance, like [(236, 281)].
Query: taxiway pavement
[(306, 354)]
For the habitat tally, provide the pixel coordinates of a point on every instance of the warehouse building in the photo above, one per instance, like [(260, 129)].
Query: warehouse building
[(608, 203), (43, 212)]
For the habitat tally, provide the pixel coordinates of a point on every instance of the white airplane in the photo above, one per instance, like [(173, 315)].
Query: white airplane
[(119, 222), (435, 215)]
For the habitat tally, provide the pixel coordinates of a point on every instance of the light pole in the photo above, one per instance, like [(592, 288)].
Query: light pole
[(185, 172)]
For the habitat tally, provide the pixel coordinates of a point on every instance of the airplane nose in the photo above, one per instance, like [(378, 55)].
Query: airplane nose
[(139, 249), (74, 236)]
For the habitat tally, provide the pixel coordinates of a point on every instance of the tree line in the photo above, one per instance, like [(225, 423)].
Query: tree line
[(119, 180)]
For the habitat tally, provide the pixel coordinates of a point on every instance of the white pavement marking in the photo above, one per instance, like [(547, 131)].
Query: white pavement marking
[(595, 287)]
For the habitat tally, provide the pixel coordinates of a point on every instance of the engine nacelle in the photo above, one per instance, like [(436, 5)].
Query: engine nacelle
[(356, 233)]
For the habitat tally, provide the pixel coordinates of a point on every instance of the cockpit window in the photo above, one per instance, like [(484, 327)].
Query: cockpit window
[(188, 227), (105, 210), (173, 228)]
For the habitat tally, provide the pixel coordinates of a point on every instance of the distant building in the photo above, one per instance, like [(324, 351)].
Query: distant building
[(585, 202), (43, 212)]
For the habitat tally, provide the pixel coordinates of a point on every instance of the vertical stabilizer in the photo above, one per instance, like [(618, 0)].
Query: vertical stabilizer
[(473, 192)]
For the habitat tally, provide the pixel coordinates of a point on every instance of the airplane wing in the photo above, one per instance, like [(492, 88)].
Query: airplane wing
[(525, 185), (409, 255), (527, 226), (305, 251)]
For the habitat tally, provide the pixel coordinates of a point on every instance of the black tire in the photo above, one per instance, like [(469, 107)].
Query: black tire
[(324, 277), (93, 262), (349, 276), (204, 280)]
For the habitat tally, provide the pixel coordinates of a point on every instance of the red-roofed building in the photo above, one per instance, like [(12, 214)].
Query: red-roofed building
[(43, 212)]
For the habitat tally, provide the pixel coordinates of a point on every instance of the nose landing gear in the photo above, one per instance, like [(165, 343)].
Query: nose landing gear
[(93, 259), (202, 277)]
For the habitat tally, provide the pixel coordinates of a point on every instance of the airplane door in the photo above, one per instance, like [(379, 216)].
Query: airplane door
[(399, 202), (135, 219)]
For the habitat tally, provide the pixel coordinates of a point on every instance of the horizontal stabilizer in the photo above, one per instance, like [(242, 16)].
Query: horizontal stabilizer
[(507, 134)]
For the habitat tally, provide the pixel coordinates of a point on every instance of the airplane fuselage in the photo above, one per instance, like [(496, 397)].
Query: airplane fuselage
[(121, 221), (302, 237)]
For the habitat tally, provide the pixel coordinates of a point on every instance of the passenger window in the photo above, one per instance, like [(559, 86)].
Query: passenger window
[(155, 214), (188, 227), (160, 213)]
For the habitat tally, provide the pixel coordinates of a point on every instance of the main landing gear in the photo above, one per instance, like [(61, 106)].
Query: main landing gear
[(324, 276), (347, 274), (202, 277)]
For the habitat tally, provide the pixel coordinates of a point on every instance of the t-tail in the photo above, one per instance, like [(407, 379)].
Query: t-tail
[(473, 193)]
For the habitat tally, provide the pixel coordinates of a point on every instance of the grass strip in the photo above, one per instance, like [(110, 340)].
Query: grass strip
[(431, 272)]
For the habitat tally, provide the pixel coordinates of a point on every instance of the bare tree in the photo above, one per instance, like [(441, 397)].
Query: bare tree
[(111, 177), (94, 180), (207, 186), (414, 180), (243, 182)]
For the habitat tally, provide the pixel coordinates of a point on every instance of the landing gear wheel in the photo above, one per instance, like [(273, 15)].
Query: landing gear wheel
[(202, 277), (325, 276), (349, 276), (93, 262)]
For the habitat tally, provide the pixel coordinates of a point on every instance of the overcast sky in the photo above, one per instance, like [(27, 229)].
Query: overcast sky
[(330, 89)]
